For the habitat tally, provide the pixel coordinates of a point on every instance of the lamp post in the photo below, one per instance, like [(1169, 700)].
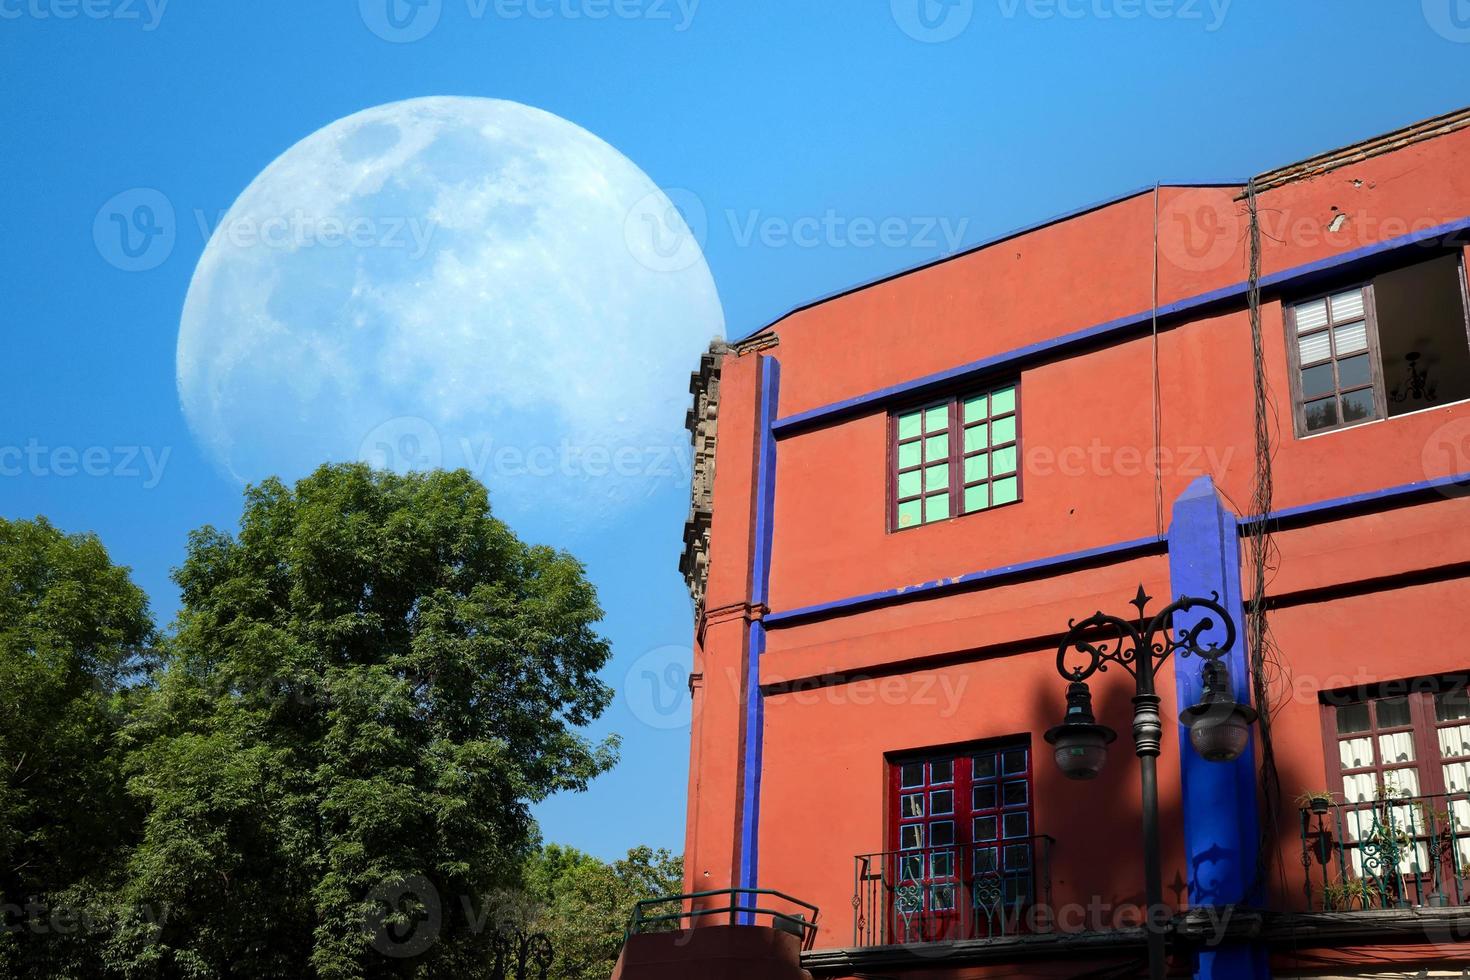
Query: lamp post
[(1219, 727)]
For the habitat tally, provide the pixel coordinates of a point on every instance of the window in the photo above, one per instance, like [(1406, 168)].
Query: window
[(963, 841), (1413, 747), (954, 457), (1395, 344)]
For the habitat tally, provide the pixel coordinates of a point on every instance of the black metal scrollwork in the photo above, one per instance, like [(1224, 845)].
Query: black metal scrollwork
[(1147, 643)]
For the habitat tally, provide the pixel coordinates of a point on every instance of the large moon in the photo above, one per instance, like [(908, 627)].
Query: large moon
[(453, 282)]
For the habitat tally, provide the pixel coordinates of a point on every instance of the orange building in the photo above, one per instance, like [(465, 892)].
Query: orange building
[(907, 491)]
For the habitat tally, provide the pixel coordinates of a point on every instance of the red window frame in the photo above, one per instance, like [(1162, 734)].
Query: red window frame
[(988, 861)]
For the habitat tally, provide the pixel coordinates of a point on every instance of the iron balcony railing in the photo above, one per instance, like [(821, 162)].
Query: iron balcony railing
[(727, 906), (1393, 852), (970, 891)]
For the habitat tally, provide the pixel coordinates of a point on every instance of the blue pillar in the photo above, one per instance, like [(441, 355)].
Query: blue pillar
[(1222, 830), (769, 381)]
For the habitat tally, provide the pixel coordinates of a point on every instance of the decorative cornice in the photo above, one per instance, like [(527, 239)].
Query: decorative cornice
[(702, 421)]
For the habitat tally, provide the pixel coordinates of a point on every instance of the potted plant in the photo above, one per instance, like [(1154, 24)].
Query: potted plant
[(1318, 801)]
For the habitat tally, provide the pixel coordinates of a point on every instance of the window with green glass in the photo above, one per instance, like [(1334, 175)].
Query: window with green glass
[(954, 457)]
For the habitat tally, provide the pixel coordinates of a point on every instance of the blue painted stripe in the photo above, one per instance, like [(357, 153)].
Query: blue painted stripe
[(1123, 550), (1113, 329), (928, 590), (1387, 496), (760, 574), (987, 243)]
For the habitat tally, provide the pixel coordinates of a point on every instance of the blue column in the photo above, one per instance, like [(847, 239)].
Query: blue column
[(769, 381), (1221, 821)]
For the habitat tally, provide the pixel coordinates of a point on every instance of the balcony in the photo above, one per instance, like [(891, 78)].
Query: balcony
[(1396, 852), (943, 894)]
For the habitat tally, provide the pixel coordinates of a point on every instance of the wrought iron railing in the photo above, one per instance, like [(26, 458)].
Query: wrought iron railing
[(971, 891), (727, 906), (1392, 852)]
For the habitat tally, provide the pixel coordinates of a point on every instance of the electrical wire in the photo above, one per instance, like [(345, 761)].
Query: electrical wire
[(1262, 559)]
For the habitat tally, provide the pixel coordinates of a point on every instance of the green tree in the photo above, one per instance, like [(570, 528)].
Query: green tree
[(368, 686), (583, 904), (75, 632)]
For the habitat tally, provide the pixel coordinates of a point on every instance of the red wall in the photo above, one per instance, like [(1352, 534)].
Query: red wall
[(823, 777)]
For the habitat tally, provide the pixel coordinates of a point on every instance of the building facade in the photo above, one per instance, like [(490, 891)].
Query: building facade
[(909, 491)]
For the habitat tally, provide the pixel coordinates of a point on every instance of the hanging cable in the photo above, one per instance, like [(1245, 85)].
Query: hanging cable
[(1158, 424), (1261, 555)]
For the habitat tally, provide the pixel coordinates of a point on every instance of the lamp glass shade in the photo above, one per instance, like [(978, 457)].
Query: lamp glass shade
[(1220, 739), (1080, 754)]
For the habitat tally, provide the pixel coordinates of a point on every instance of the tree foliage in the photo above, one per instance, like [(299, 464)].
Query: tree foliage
[(368, 685)]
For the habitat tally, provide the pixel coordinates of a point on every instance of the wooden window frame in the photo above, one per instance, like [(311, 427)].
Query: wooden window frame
[(1370, 310), (954, 402), (1420, 693), (1375, 360), (964, 847)]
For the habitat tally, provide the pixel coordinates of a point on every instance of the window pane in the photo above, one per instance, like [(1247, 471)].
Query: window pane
[(1392, 713), (911, 806), (1456, 777), (1396, 747), (1002, 401), (1018, 857), (910, 513), (936, 477), (942, 771), (909, 425), (984, 860), (911, 836), (975, 437), (1321, 413), (941, 802), (983, 798), (1355, 753), (942, 898), (1310, 316), (1003, 430), (941, 833), (1013, 761), (911, 868), (1004, 491), (936, 419), (985, 828), (975, 408), (1003, 461), (1454, 741), (1403, 782), (1351, 338), (1353, 718), (1452, 705), (977, 468), (1016, 824), (1348, 305), (1015, 794), (1315, 347), (977, 497), (912, 774), (909, 484), (910, 454), (1318, 380), (941, 864), (936, 508), (1358, 405), (1353, 371), (936, 448), (984, 766)]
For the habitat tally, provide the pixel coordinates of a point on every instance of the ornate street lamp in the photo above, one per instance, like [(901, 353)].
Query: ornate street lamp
[(1219, 727)]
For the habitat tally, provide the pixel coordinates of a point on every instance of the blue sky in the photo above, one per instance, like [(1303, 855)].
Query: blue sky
[(798, 129)]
